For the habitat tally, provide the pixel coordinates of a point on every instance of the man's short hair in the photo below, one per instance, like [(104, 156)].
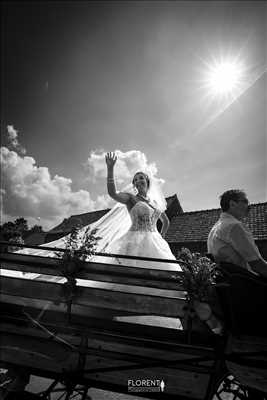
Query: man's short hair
[(226, 197)]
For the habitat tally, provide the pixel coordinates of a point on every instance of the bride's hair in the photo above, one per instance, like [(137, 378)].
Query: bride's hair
[(145, 175)]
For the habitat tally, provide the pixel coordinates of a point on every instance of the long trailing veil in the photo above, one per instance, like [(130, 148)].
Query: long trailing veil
[(109, 228), (114, 224)]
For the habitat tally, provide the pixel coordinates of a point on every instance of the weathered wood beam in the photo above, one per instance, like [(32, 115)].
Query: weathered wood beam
[(96, 271), (103, 295)]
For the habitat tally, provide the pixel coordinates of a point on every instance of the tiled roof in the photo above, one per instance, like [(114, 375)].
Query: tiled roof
[(195, 226), (82, 219), (257, 220)]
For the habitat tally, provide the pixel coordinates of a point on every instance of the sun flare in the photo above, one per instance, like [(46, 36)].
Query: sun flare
[(224, 78)]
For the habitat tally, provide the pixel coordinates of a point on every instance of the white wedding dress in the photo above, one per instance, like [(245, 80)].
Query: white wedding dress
[(143, 240), (122, 232)]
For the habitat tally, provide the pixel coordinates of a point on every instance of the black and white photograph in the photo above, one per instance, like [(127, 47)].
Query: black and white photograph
[(133, 216)]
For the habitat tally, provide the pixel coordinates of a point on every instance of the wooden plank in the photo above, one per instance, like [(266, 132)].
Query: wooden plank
[(103, 295), (110, 342), (103, 275), (58, 310), (94, 324), (101, 255), (33, 352), (179, 383), (145, 358), (27, 259), (26, 351), (85, 316), (91, 316), (112, 355), (192, 385), (106, 353), (98, 271)]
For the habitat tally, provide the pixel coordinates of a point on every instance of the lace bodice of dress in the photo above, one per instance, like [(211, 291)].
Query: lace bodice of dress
[(144, 217)]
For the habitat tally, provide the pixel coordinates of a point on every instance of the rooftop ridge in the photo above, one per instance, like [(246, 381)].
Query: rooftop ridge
[(185, 212), (218, 208), (89, 212)]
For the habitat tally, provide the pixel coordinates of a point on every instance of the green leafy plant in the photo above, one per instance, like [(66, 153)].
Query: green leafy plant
[(16, 239), (79, 247), (198, 279), (199, 274)]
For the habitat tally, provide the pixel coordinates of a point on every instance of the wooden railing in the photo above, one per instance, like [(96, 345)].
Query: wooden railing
[(124, 322)]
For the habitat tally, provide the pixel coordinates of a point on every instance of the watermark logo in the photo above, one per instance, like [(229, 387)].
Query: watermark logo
[(146, 385)]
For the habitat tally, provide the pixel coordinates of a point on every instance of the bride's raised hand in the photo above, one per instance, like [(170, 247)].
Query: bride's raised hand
[(111, 159)]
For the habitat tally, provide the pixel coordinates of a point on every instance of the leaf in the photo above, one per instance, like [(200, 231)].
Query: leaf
[(199, 274), (77, 250)]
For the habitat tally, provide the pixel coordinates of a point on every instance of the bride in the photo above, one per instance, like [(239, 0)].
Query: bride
[(129, 228), (144, 207)]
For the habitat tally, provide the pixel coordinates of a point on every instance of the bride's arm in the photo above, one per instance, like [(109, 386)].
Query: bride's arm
[(165, 223), (121, 196)]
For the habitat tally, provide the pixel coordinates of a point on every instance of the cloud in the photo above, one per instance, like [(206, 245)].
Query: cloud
[(128, 163), (12, 135), (31, 192)]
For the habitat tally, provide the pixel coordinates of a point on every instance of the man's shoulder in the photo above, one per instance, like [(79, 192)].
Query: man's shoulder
[(224, 226), (225, 221), (233, 226), (240, 227), (228, 221)]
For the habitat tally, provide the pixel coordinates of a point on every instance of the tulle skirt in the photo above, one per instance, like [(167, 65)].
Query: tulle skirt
[(141, 244)]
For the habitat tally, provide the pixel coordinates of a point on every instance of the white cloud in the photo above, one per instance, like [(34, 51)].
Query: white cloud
[(128, 163), (31, 192), (12, 135)]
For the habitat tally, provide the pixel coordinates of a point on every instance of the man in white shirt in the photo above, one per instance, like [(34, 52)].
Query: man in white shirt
[(230, 241)]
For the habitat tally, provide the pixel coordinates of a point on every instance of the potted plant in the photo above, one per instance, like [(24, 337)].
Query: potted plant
[(79, 247), (198, 279)]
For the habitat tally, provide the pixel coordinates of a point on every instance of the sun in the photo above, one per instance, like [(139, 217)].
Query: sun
[(222, 80), (224, 77)]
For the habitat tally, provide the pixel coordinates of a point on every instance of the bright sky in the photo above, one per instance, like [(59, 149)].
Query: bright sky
[(83, 78)]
